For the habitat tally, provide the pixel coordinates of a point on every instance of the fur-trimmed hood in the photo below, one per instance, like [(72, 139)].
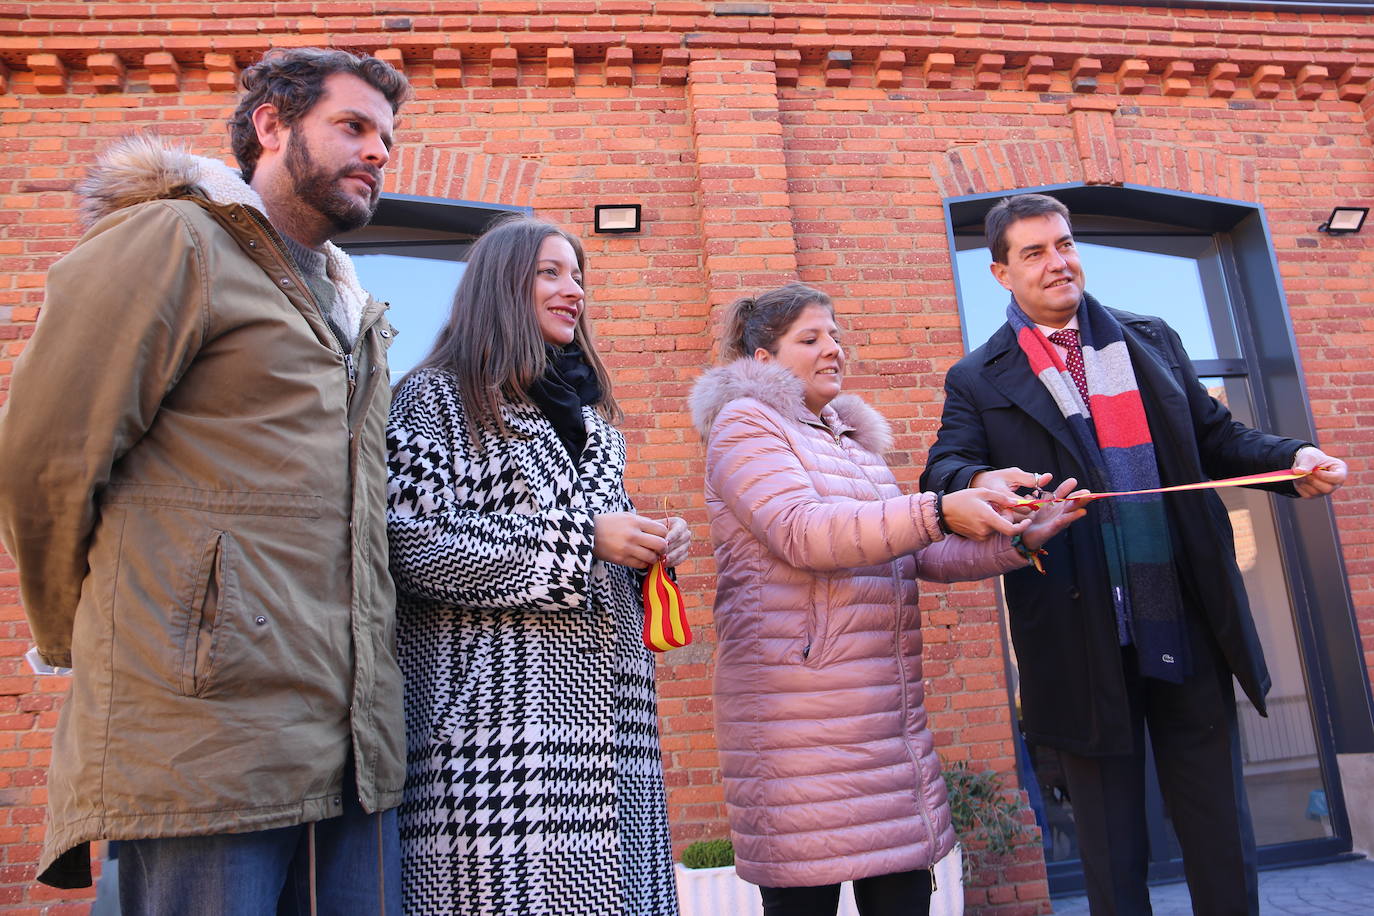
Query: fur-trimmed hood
[(776, 387), (141, 168)]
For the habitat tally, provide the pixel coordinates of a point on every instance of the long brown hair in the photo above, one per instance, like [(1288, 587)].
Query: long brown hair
[(492, 341)]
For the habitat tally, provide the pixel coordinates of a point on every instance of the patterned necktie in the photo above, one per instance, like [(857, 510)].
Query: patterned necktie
[(1073, 358)]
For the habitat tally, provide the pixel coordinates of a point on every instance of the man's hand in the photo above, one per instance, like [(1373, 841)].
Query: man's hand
[(977, 513), (679, 542), (1054, 517), (1328, 474), (629, 539)]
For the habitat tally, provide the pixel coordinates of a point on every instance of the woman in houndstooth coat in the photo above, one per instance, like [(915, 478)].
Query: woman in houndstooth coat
[(534, 783)]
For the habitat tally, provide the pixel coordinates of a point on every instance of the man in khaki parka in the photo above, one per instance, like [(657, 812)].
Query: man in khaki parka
[(193, 489)]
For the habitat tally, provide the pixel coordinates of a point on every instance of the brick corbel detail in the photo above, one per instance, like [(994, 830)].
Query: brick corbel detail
[(788, 63), (1353, 86), (1130, 76), (462, 174), (392, 56), (107, 72), (1264, 82), (221, 72), (164, 73), (1094, 134), (620, 67), (1178, 77), (1310, 80), (448, 68), (839, 68), (889, 72), (1221, 80), (987, 72), (939, 70), (1039, 73), (1083, 75), (505, 67), (673, 71), (560, 66), (49, 73), (746, 211)]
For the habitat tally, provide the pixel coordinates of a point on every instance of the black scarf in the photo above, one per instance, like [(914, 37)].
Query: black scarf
[(567, 385)]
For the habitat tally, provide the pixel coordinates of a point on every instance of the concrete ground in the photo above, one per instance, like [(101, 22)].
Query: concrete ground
[(1313, 890)]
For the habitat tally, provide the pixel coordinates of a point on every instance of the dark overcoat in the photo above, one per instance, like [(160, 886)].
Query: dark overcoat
[(997, 414)]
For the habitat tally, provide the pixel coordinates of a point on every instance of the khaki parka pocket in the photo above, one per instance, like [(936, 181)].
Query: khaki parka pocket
[(212, 590)]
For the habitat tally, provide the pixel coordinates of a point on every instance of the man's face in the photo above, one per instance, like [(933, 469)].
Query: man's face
[(1042, 269), (336, 152)]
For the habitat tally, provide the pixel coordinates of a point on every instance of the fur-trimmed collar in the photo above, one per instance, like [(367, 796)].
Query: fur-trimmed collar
[(778, 388), (140, 168)]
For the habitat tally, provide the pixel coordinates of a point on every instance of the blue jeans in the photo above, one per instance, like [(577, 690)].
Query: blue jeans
[(357, 869)]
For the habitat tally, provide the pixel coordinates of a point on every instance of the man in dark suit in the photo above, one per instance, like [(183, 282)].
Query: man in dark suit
[(1141, 617)]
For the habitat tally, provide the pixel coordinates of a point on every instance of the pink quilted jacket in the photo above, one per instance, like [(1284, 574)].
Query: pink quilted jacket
[(830, 769)]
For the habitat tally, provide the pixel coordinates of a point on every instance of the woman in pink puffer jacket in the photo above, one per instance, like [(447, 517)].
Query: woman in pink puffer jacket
[(830, 768)]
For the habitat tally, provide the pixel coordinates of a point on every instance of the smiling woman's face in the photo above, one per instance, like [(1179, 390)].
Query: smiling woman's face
[(558, 298), (810, 349)]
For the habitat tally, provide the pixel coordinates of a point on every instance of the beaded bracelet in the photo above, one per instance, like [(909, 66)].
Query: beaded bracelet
[(1034, 556)]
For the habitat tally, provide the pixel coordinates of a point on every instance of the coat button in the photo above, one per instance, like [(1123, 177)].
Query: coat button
[(1074, 593), (260, 620), (252, 243), (285, 281), (385, 333)]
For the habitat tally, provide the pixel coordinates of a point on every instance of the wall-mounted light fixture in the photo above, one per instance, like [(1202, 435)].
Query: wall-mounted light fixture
[(617, 218), (1344, 220)]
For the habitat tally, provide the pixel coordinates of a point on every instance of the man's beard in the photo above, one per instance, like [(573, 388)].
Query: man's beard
[(320, 190)]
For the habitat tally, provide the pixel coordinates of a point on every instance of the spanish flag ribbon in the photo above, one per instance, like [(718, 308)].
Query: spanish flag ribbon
[(665, 619), (1248, 480)]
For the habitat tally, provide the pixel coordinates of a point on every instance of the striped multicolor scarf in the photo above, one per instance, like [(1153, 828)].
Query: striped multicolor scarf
[(1118, 454)]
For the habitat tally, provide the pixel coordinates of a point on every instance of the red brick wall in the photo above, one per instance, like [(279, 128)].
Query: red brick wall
[(810, 140)]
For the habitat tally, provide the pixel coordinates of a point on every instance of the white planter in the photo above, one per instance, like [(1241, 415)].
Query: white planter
[(720, 892)]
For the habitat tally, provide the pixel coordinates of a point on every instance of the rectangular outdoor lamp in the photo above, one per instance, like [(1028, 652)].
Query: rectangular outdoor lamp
[(1344, 220), (617, 218)]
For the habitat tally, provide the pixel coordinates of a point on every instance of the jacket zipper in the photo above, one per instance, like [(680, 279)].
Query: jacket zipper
[(286, 260)]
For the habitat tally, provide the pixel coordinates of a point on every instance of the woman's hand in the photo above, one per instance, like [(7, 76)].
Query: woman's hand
[(976, 513), (1009, 480), (1052, 518), (679, 542), (628, 539)]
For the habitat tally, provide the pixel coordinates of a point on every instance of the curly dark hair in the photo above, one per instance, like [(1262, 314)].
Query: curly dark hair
[(292, 79)]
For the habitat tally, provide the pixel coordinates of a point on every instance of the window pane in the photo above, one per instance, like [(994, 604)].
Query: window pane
[(420, 290), (1173, 277), (1282, 771)]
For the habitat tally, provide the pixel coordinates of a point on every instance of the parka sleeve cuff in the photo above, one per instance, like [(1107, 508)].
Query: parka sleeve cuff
[(925, 517)]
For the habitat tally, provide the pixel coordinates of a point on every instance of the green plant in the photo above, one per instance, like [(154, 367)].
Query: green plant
[(708, 854), (981, 809)]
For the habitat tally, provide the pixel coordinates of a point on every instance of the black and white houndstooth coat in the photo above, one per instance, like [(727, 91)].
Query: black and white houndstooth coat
[(534, 781)]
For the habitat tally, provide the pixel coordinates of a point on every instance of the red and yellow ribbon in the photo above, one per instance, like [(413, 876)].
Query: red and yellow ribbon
[(665, 619), (1248, 480)]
